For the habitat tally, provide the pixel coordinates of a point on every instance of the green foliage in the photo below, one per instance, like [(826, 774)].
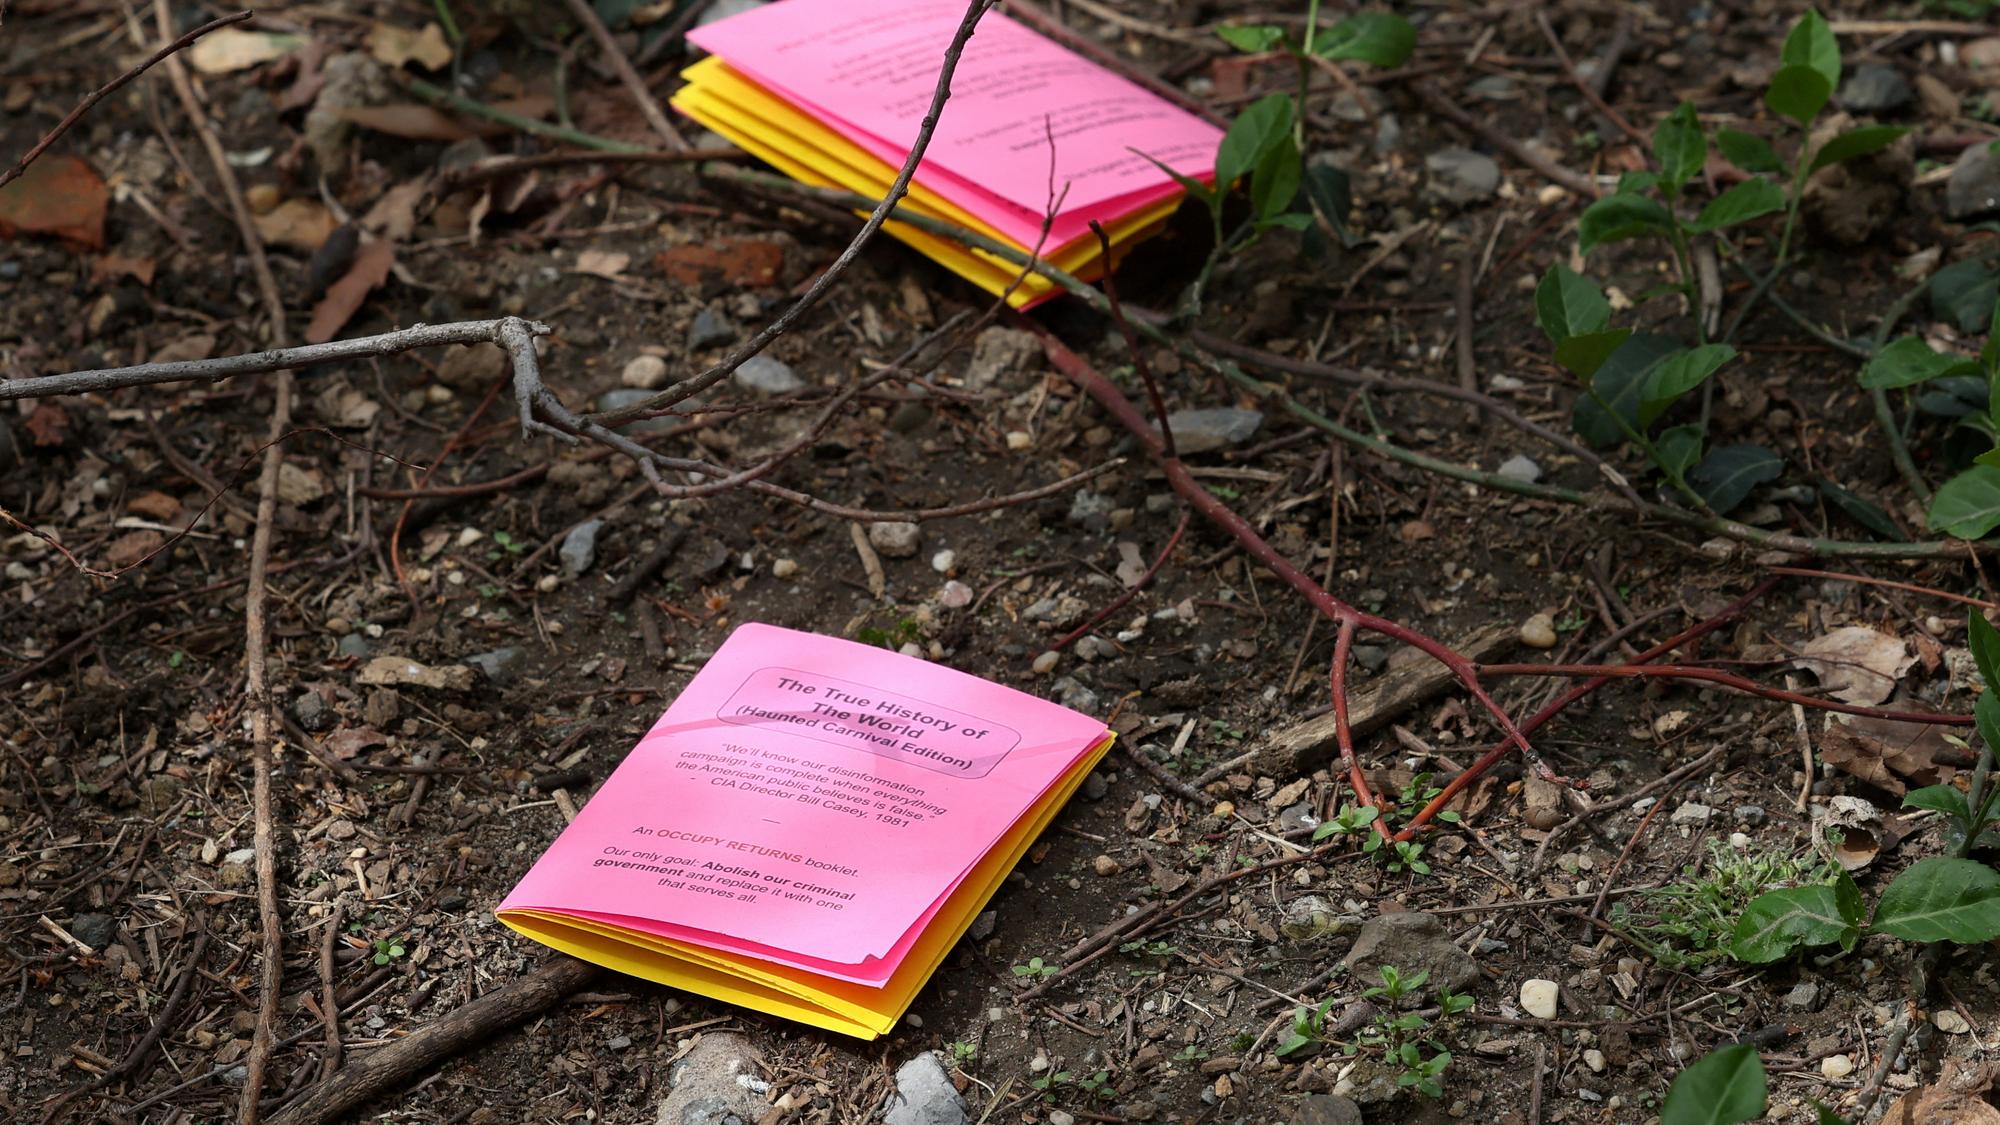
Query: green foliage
[(963, 1052), (1036, 969), (1407, 1041), (387, 950), (1693, 921), (1777, 923), (1724, 1087), (1942, 899), (1378, 38)]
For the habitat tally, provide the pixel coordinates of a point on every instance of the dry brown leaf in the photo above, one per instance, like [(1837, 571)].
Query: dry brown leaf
[(1958, 1097), (156, 506), (344, 297), (393, 46), (201, 345), (1889, 754), (299, 224), (47, 424), (422, 123), (1856, 664), (229, 49), (128, 549), (343, 406), (394, 216), (108, 266), (607, 264), (350, 741), (299, 485), (57, 195)]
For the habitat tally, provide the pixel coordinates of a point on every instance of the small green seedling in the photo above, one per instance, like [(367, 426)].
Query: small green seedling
[(1036, 969)]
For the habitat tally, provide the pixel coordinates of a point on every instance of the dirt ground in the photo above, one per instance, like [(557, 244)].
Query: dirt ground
[(125, 812)]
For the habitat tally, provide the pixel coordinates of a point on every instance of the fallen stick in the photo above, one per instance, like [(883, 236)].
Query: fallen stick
[(388, 1068)]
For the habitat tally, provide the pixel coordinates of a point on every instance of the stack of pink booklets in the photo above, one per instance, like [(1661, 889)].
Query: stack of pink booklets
[(833, 93), (808, 830)]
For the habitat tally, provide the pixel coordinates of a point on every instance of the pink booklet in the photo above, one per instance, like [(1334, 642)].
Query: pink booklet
[(809, 807)]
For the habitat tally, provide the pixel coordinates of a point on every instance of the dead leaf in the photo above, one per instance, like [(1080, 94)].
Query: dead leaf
[(132, 547), (1849, 831), (393, 46), (229, 49), (47, 424), (1887, 754), (471, 367), (344, 297), (343, 406), (300, 224), (57, 195), (1958, 1097), (350, 741), (299, 485), (201, 345), (108, 266), (401, 671), (156, 506), (394, 216), (1856, 664), (607, 264), (422, 123)]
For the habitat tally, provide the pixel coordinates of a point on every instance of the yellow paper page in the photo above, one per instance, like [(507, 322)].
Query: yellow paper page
[(842, 1006)]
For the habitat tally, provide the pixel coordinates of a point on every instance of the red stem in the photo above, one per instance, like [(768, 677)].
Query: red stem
[(1725, 679), (1343, 646)]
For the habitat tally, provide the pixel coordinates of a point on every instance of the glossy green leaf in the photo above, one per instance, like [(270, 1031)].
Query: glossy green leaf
[(1615, 218), (1968, 505), (1332, 196), (1747, 151), (1679, 448), (1868, 515), (1798, 92), (1938, 798), (1811, 43), (1252, 39), (1194, 187), (1746, 201), (1620, 382), (1637, 182), (1379, 38), (1965, 293), (1725, 477), (1855, 143), (1679, 147), (1907, 361), (1569, 304), (1724, 1087), (1778, 923), (1266, 121), (1941, 899), (1274, 183), (1984, 641), (1582, 355), (1678, 375)]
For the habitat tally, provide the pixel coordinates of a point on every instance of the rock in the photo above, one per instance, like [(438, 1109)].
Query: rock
[(1106, 866), (1091, 511), (1095, 787), (1198, 431), (983, 926), (1459, 175), (924, 1095), (1850, 202), (1326, 1109), (400, 671), (1595, 1060), (1950, 1022), (500, 665), (1059, 1117), (94, 930), (1836, 1066), (998, 352), (718, 1082), (1018, 440), (353, 645), (1073, 695), (1691, 813), (1520, 467), (955, 595), (1372, 657), (1875, 88), (311, 711), (631, 396), (579, 548), (710, 329), (769, 376), (1046, 663), (1310, 916), (1411, 942), (1539, 631), (647, 371), (1538, 998), (1804, 996), (784, 568), (1752, 815), (1974, 187), (1939, 100), (944, 561), (896, 539)]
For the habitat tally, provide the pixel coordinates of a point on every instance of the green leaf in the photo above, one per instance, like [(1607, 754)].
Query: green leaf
[(1252, 39), (1289, 220), (1968, 505), (1583, 355), (1984, 640), (1724, 1087), (1615, 218), (1267, 121), (1940, 899), (1907, 361), (1194, 187), (1678, 375), (1777, 923), (1811, 43), (1275, 181), (1620, 382), (1860, 511), (1679, 147), (1637, 183), (1826, 1116), (1939, 798), (1725, 477), (1798, 92), (1854, 143), (1679, 448), (1747, 151), (1965, 294), (1740, 204), (1372, 37), (1569, 304), (1328, 189)]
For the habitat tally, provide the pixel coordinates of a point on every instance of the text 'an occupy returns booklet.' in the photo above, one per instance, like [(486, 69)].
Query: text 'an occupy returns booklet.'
[(808, 829)]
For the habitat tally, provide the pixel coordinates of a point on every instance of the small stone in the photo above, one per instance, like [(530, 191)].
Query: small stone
[(1374, 658), (1538, 998), (1836, 1066), (925, 1095), (1875, 88), (499, 665), (263, 198), (1095, 787), (1939, 99), (1018, 440), (94, 930), (1326, 1109), (1198, 431), (784, 568), (896, 539), (647, 371), (1974, 187), (398, 671), (1691, 813), (1520, 467), (769, 376), (1046, 663), (1752, 815), (710, 329), (983, 926), (944, 561), (1413, 942), (1595, 1060), (1539, 631), (1106, 866), (632, 396), (1058, 1117), (719, 1079), (1459, 175), (1950, 1022), (1804, 996), (955, 595), (618, 1042), (311, 711), (998, 352), (579, 548), (1091, 510)]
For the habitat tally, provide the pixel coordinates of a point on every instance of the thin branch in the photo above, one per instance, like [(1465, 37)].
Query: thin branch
[(649, 106), (1444, 107), (1720, 679), (112, 87), (459, 178), (452, 99)]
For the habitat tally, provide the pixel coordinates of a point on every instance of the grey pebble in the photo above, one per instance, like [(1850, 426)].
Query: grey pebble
[(1875, 88), (579, 548), (925, 1095), (1460, 175), (1198, 431), (499, 665), (711, 329), (769, 376)]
